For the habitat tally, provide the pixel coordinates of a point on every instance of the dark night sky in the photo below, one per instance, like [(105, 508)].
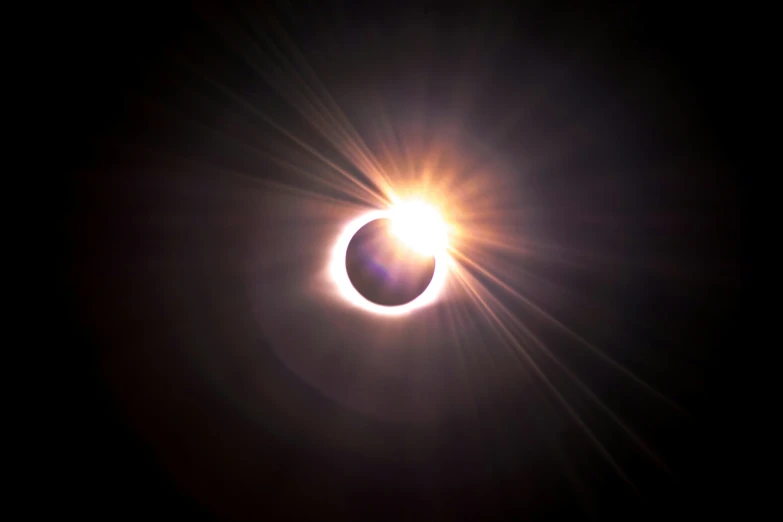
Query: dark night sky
[(641, 192)]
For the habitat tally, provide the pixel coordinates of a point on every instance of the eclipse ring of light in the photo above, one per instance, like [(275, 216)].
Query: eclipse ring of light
[(339, 271)]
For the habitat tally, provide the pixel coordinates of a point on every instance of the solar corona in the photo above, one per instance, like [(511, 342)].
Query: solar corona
[(392, 261)]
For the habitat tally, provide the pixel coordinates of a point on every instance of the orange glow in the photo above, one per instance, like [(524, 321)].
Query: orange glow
[(419, 226)]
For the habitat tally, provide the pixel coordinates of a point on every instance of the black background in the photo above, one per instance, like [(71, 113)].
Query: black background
[(125, 458)]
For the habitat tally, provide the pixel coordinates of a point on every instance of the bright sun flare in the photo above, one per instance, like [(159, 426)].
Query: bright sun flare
[(419, 226)]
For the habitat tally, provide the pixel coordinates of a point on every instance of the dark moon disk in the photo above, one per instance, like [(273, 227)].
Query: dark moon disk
[(383, 269)]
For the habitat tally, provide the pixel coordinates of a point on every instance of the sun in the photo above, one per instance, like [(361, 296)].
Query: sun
[(419, 226)]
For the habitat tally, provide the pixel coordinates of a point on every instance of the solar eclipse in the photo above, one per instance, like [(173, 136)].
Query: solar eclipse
[(392, 262)]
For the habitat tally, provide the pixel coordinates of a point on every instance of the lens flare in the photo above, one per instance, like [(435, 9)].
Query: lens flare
[(419, 226), (428, 239)]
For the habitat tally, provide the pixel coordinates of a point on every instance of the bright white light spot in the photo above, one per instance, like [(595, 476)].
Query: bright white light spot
[(419, 226), (339, 272)]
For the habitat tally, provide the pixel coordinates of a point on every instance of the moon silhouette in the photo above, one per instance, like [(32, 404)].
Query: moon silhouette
[(383, 269)]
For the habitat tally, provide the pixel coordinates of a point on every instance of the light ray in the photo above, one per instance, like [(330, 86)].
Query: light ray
[(512, 342), (570, 332)]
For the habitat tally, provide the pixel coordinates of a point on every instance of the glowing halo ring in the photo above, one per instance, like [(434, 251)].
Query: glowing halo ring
[(345, 288)]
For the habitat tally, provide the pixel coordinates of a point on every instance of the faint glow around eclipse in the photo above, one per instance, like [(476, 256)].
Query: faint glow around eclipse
[(415, 223)]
